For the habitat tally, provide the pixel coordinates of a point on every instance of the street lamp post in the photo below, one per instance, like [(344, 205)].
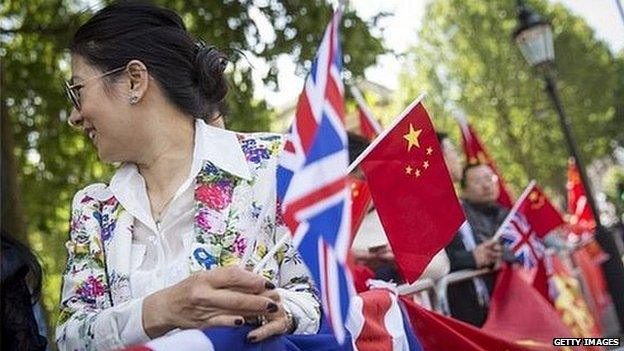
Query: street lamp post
[(535, 40)]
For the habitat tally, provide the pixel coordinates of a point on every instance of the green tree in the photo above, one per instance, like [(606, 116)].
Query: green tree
[(466, 57), (52, 161)]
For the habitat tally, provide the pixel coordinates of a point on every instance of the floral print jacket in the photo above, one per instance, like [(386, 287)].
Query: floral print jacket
[(234, 219)]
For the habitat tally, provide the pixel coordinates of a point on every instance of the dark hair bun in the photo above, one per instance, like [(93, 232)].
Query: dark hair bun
[(190, 74), (209, 65)]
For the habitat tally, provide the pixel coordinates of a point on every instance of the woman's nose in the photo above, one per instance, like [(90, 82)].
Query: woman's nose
[(75, 118)]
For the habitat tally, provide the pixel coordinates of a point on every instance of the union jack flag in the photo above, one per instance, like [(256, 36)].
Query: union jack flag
[(312, 180), (518, 235)]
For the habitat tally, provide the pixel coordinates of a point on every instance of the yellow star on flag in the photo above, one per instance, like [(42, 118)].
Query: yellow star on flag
[(534, 196), (429, 151), (408, 170), (417, 173), (426, 164), (412, 137)]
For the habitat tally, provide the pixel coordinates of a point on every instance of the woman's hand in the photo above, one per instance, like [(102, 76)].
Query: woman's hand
[(219, 297), (278, 323)]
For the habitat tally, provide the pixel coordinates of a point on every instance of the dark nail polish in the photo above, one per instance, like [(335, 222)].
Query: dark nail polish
[(251, 338), (238, 322), (271, 307), (269, 286)]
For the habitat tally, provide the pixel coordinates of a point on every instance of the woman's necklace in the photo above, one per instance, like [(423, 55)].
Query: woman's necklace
[(159, 212)]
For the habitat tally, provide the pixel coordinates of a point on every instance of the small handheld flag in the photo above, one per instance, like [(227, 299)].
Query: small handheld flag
[(412, 190), (312, 181)]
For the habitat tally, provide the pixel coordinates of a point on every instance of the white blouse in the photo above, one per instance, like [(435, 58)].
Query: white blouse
[(159, 249), (159, 252)]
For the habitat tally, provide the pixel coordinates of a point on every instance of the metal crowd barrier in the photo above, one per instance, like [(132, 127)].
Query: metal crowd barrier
[(423, 290), (433, 294), (454, 278)]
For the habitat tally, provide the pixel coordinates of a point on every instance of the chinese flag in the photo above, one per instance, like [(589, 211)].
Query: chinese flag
[(360, 201), (412, 190), (581, 216), (437, 332), (540, 212), (521, 314), (476, 153)]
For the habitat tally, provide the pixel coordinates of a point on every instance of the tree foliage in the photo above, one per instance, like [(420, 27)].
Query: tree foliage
[(53, 161), (466, 58)]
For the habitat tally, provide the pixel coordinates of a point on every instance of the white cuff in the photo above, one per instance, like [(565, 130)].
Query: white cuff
[(121, 326), (304, 309)]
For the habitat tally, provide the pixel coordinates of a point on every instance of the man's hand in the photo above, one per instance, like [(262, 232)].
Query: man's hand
[(487, 254)]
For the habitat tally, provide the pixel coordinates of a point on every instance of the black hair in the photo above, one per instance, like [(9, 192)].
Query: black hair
[(17, 261), (467, 167), (357, 145), (189, 71)]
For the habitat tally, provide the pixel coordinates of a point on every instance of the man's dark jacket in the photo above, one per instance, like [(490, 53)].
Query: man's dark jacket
[(463, 301)]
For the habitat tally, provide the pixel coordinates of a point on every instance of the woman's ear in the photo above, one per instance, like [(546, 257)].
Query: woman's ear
[(139, 81)]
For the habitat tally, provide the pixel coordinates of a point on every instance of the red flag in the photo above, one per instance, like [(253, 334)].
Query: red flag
[(519, 236), (540, 212), (594, 277), (530, 219), (581, 216), (518, 312), (360, 273), (412, 190), (369, 127), (437, 332), (476, 153), (360, 201)]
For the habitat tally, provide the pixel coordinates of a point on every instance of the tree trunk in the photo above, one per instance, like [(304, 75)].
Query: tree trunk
[(13, 219)]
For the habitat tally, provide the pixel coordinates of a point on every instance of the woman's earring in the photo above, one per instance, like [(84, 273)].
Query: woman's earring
[(133, 99)]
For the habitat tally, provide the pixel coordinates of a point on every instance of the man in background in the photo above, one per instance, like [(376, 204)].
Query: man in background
[(473, 247)]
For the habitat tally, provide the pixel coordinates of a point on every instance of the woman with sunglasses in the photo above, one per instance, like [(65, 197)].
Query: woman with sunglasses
[(173, 240)]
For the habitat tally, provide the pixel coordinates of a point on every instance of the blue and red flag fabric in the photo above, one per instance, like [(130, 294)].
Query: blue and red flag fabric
[(378, 321), (531, 219), (230, 339), (522, 241), (312, 180), (518, 236)]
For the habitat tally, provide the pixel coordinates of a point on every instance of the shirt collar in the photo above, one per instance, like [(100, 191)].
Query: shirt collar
[(219, 146)]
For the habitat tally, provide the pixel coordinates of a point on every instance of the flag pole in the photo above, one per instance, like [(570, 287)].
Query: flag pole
[(514, 209), (359, 99), (383, 134), (278, 245), (461, 118)]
